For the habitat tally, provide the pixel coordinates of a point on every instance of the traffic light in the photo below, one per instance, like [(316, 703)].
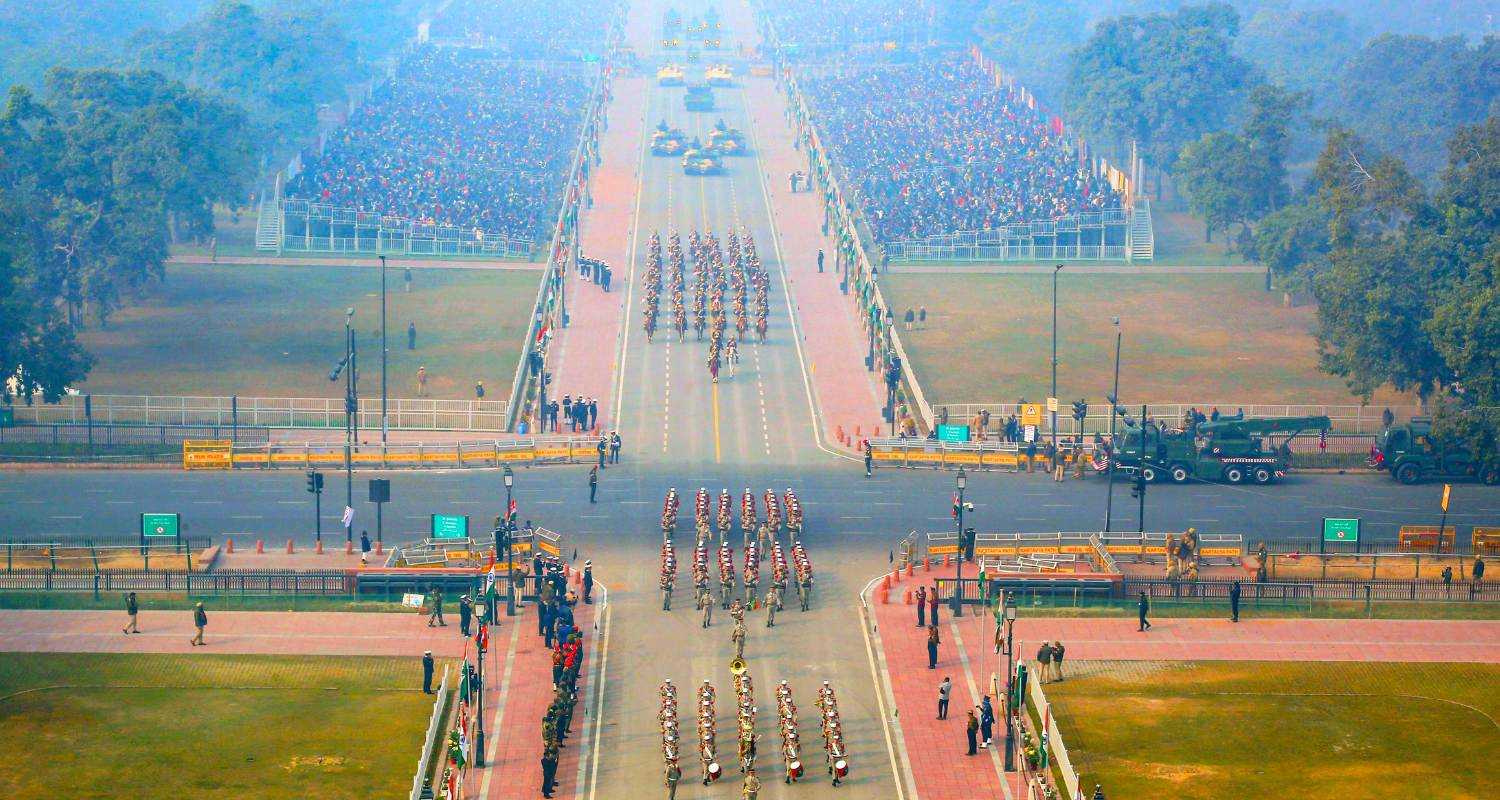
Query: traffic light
[(314, 482), (1080, 410)]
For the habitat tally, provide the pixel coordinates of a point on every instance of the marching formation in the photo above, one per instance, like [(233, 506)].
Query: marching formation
[(732, 270)]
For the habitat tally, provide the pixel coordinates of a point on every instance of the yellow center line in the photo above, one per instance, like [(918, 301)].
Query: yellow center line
[(717, 453)]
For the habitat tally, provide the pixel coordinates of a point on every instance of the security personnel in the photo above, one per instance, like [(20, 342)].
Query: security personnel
[(804, 590), (706, 602), (549, 768), (738, 637), (773, 600)]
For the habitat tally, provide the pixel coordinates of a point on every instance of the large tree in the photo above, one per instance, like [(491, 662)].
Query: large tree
[(1161, 80)]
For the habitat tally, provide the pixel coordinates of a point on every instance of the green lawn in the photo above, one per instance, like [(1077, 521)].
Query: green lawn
[(1303, 730), (1187, 338), (177, 726), (276, 331)]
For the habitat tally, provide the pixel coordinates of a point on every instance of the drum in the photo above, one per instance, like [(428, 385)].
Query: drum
[(841, 768), (794, 769), (714, 772)]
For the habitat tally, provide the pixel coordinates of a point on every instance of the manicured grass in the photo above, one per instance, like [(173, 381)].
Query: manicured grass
[(1276, 729), (1316, 609), (177, 601), (276, 331), (176, 726), (1187, 338)]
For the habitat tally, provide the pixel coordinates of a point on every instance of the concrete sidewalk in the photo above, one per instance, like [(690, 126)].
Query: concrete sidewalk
[(245, 632)]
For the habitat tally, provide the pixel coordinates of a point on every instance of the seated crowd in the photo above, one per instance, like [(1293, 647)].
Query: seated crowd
[(933, 147), (819, 23), (539, 28), (458, 137)]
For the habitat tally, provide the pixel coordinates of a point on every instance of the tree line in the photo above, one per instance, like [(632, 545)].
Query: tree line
[(102, 166)]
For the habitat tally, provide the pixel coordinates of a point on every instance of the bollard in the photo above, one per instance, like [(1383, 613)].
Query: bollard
[(896, 575), (885, 595), (927, 563), (379, 548), (260, 546), (229, 544), (348, 548), (290, 548), (886, 584), (319, 549), (906, 597), (876, 434), (911, 569), (946, 560), (856, 431)]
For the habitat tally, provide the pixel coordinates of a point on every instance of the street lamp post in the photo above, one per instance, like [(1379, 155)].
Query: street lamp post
[(1010, 686), (479, 737), (510, 533), (958, 600), (1114, 411), (350, 367), (1052, 398), (385, 425)]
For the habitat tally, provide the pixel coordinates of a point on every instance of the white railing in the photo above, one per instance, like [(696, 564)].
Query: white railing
[(1346, 418), (1058, 751), (434, 728), (268, 412)]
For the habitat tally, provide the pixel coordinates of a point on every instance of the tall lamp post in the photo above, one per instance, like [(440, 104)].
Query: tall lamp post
[(1010, 685), (958, 600), (349, 366), (1114, 411), (385, 425), (510, 535), (1052, 398), (480, 642)]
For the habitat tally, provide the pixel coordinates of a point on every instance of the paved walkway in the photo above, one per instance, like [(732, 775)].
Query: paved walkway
[(832, 341), (249, 632), (967, 655), (515, 702), (585, 354)]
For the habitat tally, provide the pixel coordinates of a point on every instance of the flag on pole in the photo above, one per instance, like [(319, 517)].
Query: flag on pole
[(955, 505), (1447, 490), (348, 517)]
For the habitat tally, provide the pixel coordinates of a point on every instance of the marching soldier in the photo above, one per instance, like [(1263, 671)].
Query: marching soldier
[(666, 597), (773, 601), (706, 603), (738, 637), (737, 611), (804, 590)]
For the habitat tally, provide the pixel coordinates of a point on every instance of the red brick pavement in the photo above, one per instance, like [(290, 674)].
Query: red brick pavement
[(935, 749), (250, 632), (832, 340), (514, 727), (586, 350)]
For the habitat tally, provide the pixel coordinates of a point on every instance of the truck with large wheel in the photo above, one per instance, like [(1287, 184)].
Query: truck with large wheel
[(1411, 454), (1228, 450)]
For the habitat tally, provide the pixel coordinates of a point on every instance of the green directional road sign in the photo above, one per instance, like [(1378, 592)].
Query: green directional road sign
[(160, 524), (1340, 530), (450, 526), (953, 433)]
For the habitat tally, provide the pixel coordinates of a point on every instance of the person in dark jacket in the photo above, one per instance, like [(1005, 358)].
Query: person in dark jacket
[(1143, 606), (1234, 602), (986, 722), (971, 728), (921, 606), (427, 666), (593, 484), (932, 646), (200, 621), (132, 608), (588, 583), (465, 614)]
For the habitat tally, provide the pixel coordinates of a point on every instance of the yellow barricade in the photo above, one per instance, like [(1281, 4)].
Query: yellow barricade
[(207, 454), (942, 549)]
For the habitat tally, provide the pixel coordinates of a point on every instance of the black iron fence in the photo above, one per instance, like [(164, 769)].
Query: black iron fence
[(244, 582), (1082, 591)]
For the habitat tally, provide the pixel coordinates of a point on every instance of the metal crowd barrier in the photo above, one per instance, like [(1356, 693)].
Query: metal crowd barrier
[(223, 455)]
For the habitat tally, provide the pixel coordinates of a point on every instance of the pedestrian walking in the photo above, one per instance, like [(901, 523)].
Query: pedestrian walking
[(435, 616), (200, 621), (465, 614), (411, 336), (820, 260), (945, 689), (427, 667), (1057, 658), (909, 318), (1234, 602), (364, 548), (922, 317), (422, 381), (674, 774), (132, 609), (593, 484), (1044, 661), (932, 646), (986, 722), (478, 390), (921, 606), (869, 460), (588, 583), (1143, 606), (971, 729)]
